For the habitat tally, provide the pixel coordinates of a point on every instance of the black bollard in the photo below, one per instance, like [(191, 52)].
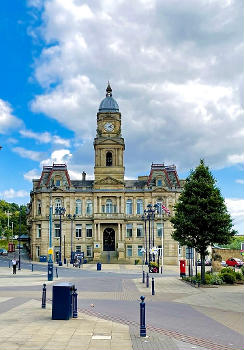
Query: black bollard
[(147, 279), (9, 264), (161, 269), (56, 272), (74, 303), (143, 331), (67, 263), (32, 267), (143, 276), (153, 290), (44, 294)]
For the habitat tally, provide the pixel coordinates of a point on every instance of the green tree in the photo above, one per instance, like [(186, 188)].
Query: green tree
[(13, 211), (201, 218)]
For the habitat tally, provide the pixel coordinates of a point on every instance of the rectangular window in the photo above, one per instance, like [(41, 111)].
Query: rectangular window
[(39, 207), (129, 230), (129, 250), (103, 208), (78, 230), (139, 207), (78, 207), (38, 231), (179, 250), (57, 183), (88, 230), (159, 209), (129, 207), (37, 251), (159, 230), (89, 207), (139, 252), (139, 231), (57, 230), (159, 182), (78, 249), (89, 251)]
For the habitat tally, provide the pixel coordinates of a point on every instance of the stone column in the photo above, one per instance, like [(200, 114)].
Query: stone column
[(119, 233), (99, 233)]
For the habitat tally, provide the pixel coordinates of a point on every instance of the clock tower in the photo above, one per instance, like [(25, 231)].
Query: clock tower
[(109, 145)]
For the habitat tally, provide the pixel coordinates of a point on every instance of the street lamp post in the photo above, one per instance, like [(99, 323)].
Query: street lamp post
[(144, 218), (72, 218), (149, 214), (60, 211), (19, 268), (50, 260)]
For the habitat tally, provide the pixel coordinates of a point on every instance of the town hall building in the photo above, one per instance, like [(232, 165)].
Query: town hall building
[(103, 218)]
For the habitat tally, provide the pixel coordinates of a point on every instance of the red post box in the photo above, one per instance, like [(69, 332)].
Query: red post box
[(11, 247), (182, 268)]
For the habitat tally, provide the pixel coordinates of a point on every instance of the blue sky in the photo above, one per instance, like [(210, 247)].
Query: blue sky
[(176, 69)]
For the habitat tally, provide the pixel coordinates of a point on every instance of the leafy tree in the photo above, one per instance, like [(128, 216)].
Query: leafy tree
[(201, 218), (14, 211)]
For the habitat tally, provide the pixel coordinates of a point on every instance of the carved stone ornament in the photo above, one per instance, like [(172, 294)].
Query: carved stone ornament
[(109, 181)]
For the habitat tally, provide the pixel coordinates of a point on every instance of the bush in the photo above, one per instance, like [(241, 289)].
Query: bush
[(208, 278), (216, 280), (227, 277), (239, 276), (242, 270), (227, 270)]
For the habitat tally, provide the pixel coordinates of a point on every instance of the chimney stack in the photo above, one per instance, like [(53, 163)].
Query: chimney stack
[(83, 176)]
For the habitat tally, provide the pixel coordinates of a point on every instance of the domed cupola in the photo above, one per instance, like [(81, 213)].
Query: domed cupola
[(108, 104)]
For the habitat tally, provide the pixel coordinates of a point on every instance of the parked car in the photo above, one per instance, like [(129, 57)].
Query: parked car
[(3, 252), (234, 262), (208, 262)]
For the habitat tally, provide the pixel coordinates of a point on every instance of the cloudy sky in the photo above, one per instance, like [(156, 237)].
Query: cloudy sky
[(176, 69)]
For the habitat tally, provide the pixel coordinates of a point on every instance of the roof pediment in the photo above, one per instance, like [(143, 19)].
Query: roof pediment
[(108, 181)]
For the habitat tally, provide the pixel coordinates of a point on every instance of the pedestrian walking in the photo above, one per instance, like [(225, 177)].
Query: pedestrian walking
[(14, 264)]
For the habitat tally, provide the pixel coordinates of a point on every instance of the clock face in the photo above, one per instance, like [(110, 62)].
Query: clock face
[(109, 127)]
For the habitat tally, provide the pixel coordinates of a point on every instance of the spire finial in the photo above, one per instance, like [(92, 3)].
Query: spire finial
[(109, 90)]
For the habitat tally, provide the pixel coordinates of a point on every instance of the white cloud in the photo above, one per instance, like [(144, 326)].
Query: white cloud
[(235, 207), (7, 119), (11, 193), (25, 153), (45, 137), (60, 156), (32, 174), (175, 69), (240, 181)]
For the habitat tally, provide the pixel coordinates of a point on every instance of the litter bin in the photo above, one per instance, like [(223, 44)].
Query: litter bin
[(62, 301), (43, 258), (99, 266)]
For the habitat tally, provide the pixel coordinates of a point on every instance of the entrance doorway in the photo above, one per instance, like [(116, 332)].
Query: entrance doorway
[(108, 240)]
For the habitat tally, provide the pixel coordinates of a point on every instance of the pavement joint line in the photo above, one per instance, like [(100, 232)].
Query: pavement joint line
[(174, 334)]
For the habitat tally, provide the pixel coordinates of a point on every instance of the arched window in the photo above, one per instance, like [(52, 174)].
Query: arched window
[(78, 207), (109, 206), (109, 159), (39, 207), (129, 206)]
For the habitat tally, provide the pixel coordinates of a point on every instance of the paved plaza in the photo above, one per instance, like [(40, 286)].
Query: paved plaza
[(178, 316)]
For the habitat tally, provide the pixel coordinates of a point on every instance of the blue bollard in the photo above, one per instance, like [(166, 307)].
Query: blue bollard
[(143, 331), (74, 303), (143, 276), (56, 272), (147, 279), (44, 294), (153, 290)]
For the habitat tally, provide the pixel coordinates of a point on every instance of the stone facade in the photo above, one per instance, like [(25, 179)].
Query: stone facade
[(108, 210)]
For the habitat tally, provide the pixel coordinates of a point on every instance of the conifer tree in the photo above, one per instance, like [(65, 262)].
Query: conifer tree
[(201, 218)]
